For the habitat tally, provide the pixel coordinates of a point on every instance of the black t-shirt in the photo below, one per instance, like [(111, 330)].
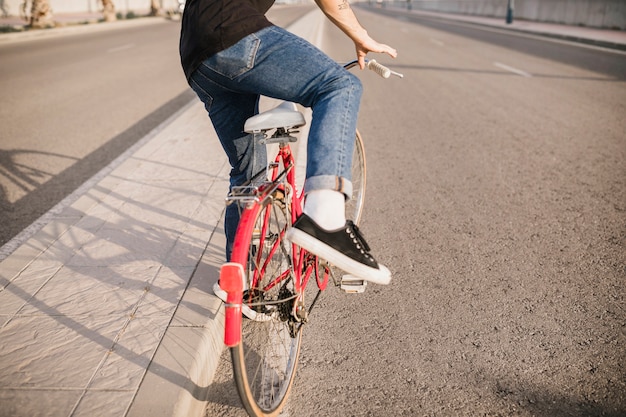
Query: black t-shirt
[(210, 26)]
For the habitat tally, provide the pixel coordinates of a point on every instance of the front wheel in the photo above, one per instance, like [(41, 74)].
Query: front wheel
[(265, 361), (354, 206)]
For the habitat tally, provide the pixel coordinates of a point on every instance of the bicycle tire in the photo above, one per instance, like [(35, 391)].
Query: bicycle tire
[(354, 206), (265, 361)]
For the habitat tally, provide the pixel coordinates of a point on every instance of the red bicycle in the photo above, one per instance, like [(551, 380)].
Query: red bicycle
[(266, 280)]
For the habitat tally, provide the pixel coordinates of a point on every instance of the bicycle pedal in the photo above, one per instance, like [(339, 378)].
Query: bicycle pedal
[(353, 285)]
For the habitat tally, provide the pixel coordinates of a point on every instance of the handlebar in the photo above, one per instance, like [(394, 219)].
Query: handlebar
[(378, 68)]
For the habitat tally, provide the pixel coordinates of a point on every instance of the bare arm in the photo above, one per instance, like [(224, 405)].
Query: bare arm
[(340, 13)]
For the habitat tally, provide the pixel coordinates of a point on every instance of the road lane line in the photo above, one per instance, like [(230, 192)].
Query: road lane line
[(513, 70), (436, 42), (121, 48)]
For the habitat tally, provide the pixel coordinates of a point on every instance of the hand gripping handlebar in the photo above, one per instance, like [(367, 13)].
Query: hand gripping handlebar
[(381, 70), (378, 68)]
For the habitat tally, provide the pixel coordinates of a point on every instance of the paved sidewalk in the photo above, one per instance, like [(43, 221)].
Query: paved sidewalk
[(108, 310), (119, 284)]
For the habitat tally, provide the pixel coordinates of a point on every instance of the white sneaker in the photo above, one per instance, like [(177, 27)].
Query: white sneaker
[(245, 310)]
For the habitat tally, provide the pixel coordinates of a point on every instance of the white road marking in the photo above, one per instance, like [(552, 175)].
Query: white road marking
[(513, 70), (437, 42), (121, 48)]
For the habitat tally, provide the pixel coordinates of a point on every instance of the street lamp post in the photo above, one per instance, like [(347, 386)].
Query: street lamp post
[(509, 12)]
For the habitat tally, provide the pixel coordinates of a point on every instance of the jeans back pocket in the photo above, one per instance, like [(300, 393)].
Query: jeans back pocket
[(235, 60)]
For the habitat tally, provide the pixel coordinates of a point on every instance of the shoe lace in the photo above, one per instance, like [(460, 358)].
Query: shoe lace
[(355, 233)]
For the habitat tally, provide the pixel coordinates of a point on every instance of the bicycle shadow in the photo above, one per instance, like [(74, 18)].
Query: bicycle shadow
[(29, 185), (21, 175)]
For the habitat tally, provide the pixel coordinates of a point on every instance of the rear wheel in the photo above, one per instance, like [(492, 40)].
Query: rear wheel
[(264, 363)]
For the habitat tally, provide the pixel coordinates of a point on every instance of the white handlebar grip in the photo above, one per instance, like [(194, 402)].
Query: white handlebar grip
[(379, 69)]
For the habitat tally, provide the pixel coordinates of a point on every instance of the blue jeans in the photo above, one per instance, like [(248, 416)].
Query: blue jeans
[(275, 63)]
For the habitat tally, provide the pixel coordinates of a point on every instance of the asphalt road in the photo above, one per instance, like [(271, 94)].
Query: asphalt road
[(72, 104), (497, 197)]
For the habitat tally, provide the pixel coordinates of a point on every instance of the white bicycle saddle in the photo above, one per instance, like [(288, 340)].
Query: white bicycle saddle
[(286, 115)]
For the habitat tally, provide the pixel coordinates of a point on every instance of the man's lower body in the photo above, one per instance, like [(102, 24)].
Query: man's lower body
[(278, 64)]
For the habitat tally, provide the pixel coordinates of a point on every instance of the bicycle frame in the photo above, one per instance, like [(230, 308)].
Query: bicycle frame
[(267, 277), (299, 256), (304, 264)]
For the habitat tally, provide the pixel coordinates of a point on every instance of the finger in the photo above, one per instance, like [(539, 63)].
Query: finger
[(361, 59), (360, 56), (390, 51)]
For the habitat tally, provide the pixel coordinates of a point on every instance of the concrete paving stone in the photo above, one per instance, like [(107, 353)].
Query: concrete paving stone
[(211, 207), (186, 360), (120, 173), (123, 186), (195, 123), (127, 243), (106, 200), (37, 402), (192, 125), (103, 403), (14, 264), (90, 198), (174, 142), (63, 248), (179, 159), (126, 363), (20, 289), (199, 306), (54, 351), (180, 372), (189, 247), (88, 225), (165, 292), (167, 202), (30, 250), (90, 220), (135, 254), (94, 291), (154, 171)]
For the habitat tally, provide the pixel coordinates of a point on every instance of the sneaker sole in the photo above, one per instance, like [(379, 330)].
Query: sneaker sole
[(333, 256)]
